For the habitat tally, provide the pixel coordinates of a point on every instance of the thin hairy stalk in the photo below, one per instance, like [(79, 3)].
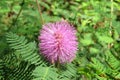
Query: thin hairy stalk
[(19, 12), (111, 28), (111, 16), (40, 12)]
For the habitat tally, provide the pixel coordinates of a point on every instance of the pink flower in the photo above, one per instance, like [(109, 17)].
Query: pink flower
[(58, 42)]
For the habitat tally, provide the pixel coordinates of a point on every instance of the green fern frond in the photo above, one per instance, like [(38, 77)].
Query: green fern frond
[(112, 61), (109, 70), (1, 69), (116, 75), (22, 72), (45, 73), (102, 70), (7, 63), (101, 78), (69, 73), (98, 66), (51, 73), (23, 49), (10, 59)]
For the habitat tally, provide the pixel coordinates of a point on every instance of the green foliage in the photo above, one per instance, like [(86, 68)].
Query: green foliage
[(45, 73), (109, 69), (98, 26), (29, 65), (24, 50), (22, 72)]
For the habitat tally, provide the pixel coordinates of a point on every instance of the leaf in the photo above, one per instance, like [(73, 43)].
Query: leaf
[(112, 60), (22, 72), (94, 50), (69, 72), (104, 38), (100, 68), (23, 49), (87, 40), (117, 75), (45, 73)]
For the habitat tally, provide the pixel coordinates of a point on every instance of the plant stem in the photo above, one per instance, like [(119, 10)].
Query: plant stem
[(19, 12), (111, 28), (111, 17), (40, 12)]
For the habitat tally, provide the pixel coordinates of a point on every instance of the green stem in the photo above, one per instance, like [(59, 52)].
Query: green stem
[(111, 28), (39, 12), (19, 12), (111, 17)]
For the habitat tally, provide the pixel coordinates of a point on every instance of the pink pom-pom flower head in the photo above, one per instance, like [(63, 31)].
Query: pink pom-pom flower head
[(58, 42)]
